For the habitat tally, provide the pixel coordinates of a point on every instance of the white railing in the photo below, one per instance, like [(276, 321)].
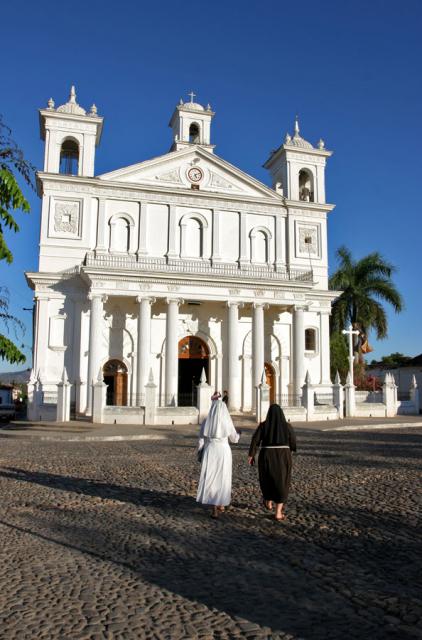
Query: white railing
[(189, 266)]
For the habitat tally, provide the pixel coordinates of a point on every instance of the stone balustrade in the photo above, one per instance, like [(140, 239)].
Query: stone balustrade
[(202, 267)]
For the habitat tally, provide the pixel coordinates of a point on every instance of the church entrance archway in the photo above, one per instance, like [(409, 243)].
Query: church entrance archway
[(270, 380), (194, 355), (115, 377)]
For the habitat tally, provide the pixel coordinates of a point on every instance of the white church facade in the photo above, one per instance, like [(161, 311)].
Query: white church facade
[(175, 265)]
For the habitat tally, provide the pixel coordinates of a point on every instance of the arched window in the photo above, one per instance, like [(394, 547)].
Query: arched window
[(306, 186), (310, 340), (260, 245), (193, 238), (194, 133), (119, 235), (69, 157), (194, 242)]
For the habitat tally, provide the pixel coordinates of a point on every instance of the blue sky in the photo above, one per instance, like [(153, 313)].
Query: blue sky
[(351, 70)]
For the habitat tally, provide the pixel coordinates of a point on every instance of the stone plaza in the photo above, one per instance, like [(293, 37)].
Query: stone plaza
[(103, 540)]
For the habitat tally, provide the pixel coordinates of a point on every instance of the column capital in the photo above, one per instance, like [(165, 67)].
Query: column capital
[(179, 301), (300, 307), (234, 303), (264, 305), (150, 299), (96, 294)]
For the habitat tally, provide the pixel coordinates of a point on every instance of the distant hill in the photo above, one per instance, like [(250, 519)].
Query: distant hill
[(18, 377)]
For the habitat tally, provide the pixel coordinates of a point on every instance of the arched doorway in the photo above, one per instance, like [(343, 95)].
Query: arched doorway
[(270, 380), (115, 377), (193, 357)]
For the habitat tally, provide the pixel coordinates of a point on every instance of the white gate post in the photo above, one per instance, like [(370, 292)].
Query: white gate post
[(338, 395), (99, 391), (414, 394), (350, 397), (389, 393), (262, 398), (150, 400), (308, 397), (204, 397), (31, 404), (63, 399)]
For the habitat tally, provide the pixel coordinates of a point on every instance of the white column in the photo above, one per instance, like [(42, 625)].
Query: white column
[(171, 372), (279, 240), (183, 239), (257, 346), (95, 334), (41, 334), (325, 347), (76, 339), (142, 230), (102, 239), (233, 377), (243, 249), (216, 257), (144, 347), (298, 350), (172, 251)]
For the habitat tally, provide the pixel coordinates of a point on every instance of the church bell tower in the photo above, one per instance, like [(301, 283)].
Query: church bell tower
[(298, 168), (191, 124), (71, 136)]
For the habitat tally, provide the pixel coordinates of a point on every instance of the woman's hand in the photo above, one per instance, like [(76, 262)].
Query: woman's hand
[(251, 461)]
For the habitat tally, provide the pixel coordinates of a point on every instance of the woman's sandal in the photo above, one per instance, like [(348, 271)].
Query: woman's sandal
[(268, 505), (221, 509)]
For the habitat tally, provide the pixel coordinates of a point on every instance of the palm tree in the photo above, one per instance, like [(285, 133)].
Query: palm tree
[(365, 285)]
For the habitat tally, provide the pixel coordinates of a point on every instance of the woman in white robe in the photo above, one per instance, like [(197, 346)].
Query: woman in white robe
[(215, 482)]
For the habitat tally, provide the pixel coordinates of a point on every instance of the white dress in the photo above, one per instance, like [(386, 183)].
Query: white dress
[(215, 482)]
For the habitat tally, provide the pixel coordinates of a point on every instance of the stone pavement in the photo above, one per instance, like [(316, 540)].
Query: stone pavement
[(104, 540)]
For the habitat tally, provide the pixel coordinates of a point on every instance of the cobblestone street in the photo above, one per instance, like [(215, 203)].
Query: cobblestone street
[(104, 540)]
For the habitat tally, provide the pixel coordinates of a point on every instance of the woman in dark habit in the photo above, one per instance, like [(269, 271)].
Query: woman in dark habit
[(276, 439)]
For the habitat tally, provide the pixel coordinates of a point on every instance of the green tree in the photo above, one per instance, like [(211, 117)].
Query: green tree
[(12, 162), (365, 285), (8, 350), (339, 356)]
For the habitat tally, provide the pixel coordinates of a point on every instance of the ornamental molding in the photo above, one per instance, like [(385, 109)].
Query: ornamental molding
[(311, 208), (218, 181), (111, 282), (83, 127), (206, 201), (190, 325), (307, 234), (66, 217), (308, 240), (170, 176), (309, 158), (308, 215)]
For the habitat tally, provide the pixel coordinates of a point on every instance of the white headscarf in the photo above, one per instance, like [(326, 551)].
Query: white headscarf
[(218, 423)]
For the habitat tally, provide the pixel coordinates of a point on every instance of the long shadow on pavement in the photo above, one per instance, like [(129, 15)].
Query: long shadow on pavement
[(284, 577)]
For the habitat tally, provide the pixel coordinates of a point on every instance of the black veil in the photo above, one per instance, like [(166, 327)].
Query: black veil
[(275, 429)]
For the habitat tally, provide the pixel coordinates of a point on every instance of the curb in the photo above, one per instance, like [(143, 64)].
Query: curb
[(89, 438), (370, 427)]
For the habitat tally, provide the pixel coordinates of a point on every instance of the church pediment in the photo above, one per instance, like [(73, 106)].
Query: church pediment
[(182, 169)]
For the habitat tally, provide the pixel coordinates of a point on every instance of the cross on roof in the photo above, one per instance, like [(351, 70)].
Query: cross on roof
[(192, 95)]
